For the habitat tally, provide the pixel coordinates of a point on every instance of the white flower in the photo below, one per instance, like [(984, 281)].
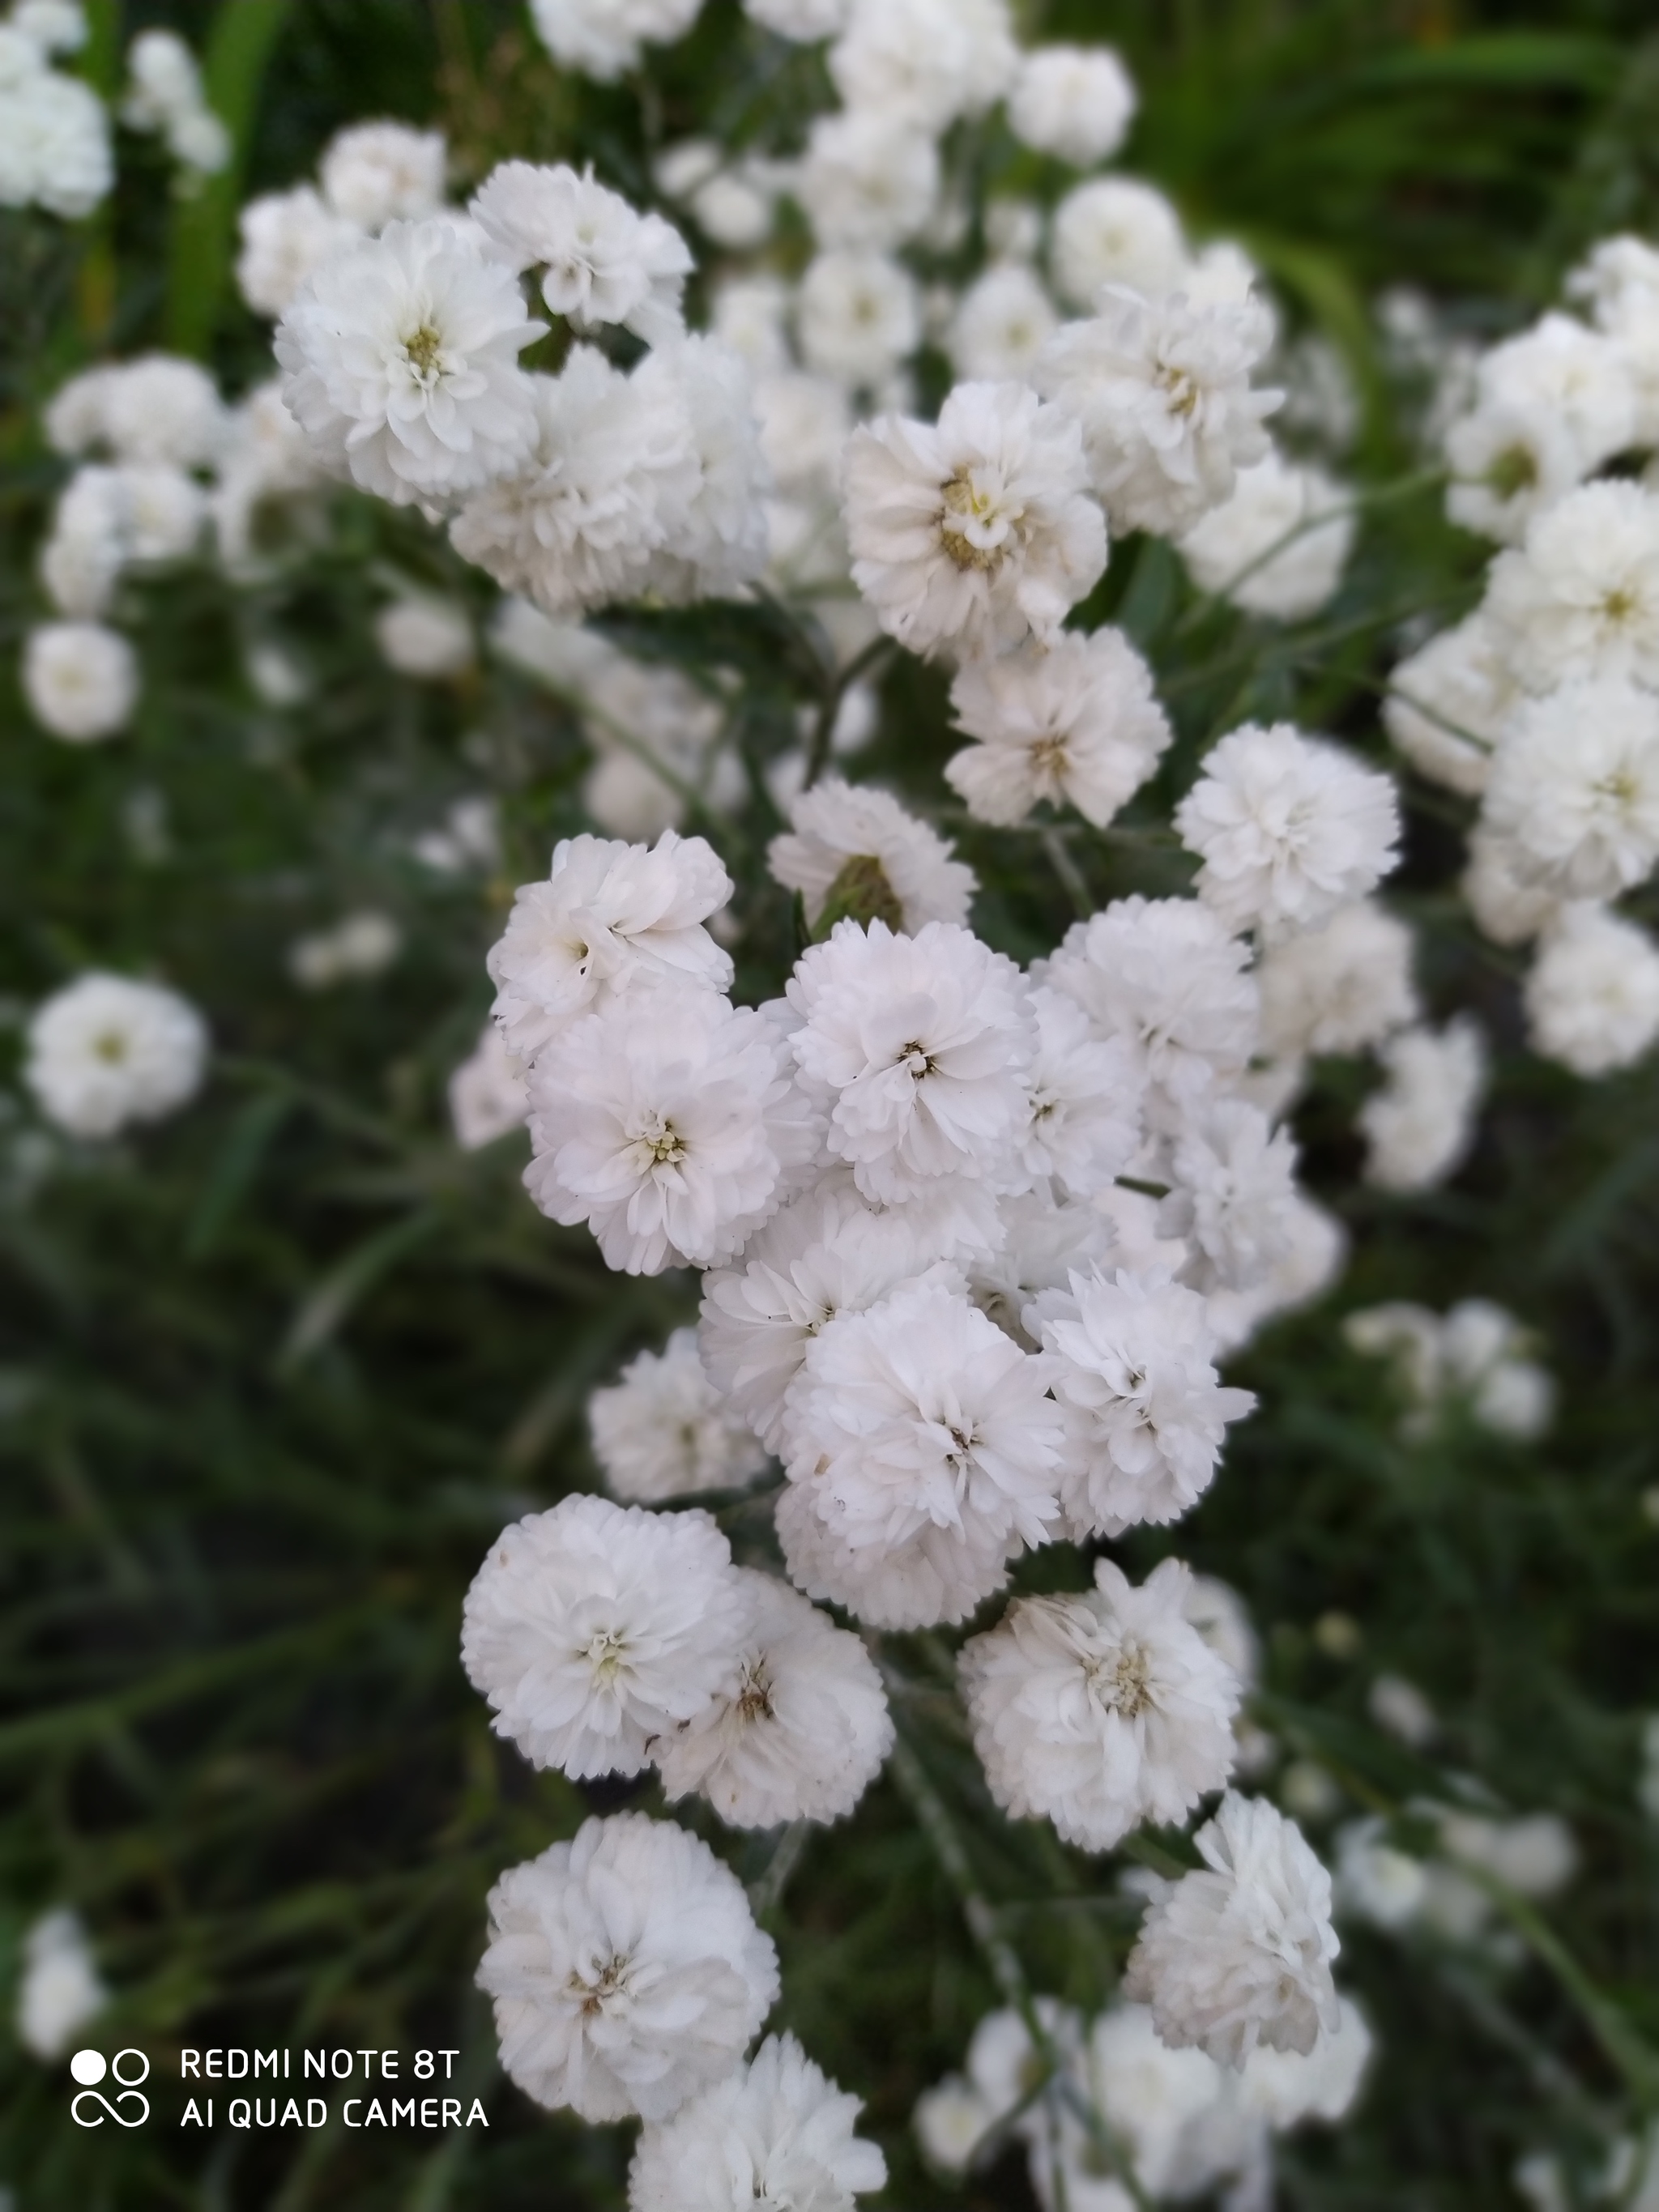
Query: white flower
[(602, 261), (1161, 391), (104, 1052), (487, 1093), (156, 409), (1131, 1360), (1171, 2110), (595, 1629), (1574, 790), (1001, 323), (1082, 1122), (1420, 1124), (1592, 997), (1117, 230), (1240, 1955), (424, 635), (1339, 988), (1300, 511), (670, 1125), (921, 1043), (375, 173), (806, 21), (1476, 1354), (718, 543), (358, 948), (602, 38), (1101, 1712), (1375, 1881), (267, 456), (920, 1439), (1221, 1618), (1233, 1195), (54, 144), (802, 1733), (626, 1969), (1074, 722), (777, 2133), (1289, 829), (826, 1254), (1549, 407), (1287, 2088), (1581, 597), (1401, 1707), (81, 680), (751, 314), (975, 532), (609, 916), (804, 423), (1072, 101), (1508, 901), (1508, 461), (858, 315), (613, 469), (286, 236), (867, 179), (1165, 974), (164, 80), (931, 60), (1447, 701), (60, 1990), (56, 27), (664, 1431), (844, 840), (402, 360), (1536, 1856)]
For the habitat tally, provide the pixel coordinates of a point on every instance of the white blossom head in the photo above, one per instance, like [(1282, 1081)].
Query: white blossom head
[(1338, 989), (626, 1969), (285, 237), (1420, 1124), (1592, 995), (1278, 546), (594, 1629), (1448, 702), (487, 1094), (1574, 791), (60, 1990), (1000, 325), (1580, 597), (778, 2132), (975, 533), (663, 1431), (105, 1051), (603, 38), (858, 315), (868, 178), (1239, 1955), (1117, 230), (81, 680), (930, 61), (374, 173), (601, 260), (855, 848), (1074, 102), (801, 1733)]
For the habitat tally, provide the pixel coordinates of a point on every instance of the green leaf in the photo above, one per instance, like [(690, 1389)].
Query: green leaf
[(341, 1290), (233, 1171)]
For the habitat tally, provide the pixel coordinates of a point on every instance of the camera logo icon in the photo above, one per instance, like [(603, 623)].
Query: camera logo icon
[(128, 2068)]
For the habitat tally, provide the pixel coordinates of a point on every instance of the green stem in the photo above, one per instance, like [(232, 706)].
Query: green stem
[(823, 731)]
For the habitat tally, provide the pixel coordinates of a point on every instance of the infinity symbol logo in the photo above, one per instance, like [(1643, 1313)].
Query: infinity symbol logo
[(88, 2066)]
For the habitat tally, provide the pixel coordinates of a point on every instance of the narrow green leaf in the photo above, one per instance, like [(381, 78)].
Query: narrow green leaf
[(340, 1292), (233, 1171)]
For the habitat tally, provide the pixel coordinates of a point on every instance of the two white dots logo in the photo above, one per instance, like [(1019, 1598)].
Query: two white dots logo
[(89, 2068)]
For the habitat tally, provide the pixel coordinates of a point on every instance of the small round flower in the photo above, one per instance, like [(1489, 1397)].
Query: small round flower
[(1288, 2089), (847, 845), (487, 1094), (54, 144), (1233, 1195), (1339, 988), (81, 680), (800, 1734), (1073, 722), (858, 315), (602, 261), (603, 39), (1509, 462), (1131, 1360), (1289, 829), (805, 21), (60, 1990), (1420, 1124), (1074, 102), (1161, 390), (826, 1254), (594, 1629), (1115, 230), (1239, 1955), (1592, 998), (928, 60), (425, 636), (626, 1969), (920, 1043), (779, 2132), (1166, 975), (402, 360), (1580, 598), (1448, 702), (669, 1125), (286, 237), (104, 1052), (355, 950), (664, 1431), (1574, 791), (1509, 903), (375, 173), (1001, 323), (1375, 1881), (867, 179), (1101, 1712), (975, 532), (1083, 1124), (1278, 546), (609, 915)]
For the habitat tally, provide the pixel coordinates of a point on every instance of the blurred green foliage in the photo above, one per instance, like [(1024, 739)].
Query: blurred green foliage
[(272, 1377)]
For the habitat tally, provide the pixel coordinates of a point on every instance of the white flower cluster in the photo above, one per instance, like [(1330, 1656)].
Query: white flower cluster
[(1477, 1356), (1534, 1854), (165, 95), (1131, 2105), (55, 149), (1544, 703)]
